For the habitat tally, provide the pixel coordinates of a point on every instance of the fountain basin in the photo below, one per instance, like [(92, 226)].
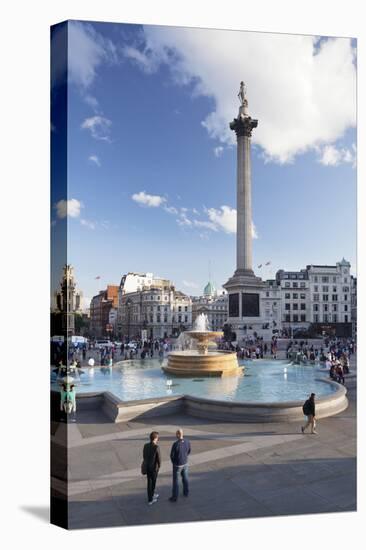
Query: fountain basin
[(195, 363)]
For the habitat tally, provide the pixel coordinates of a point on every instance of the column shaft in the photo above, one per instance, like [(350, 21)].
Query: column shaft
[(244, 206)]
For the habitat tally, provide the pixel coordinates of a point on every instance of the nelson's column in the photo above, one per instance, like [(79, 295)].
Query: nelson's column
[(244, 288)]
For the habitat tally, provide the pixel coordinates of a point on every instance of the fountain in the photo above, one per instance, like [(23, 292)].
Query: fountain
[(202, 361)]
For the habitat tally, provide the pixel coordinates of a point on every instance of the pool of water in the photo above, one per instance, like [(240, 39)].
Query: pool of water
[(271, 381)]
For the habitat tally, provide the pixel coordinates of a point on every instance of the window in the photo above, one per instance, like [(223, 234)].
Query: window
[(325, 279), (287, 318), (325, 297), (296, 318), (165, 318), (179, 318), (179, 308), (158, 297), (151, 318), (334, 307), (325, 288), (158, 320), (186, 318), (316, 297), (287, 296), (295, 285), (334, 297), (302, 307), (316, 318), (302, 296), (346, 307), (325, 307), (295, 306), (287, 306), (303, 318), (295, 295), (302, 285), (185, 308), (345, 289), (325, 317), (345, 280), (334, 279), (315, 279), (315, 307), (267, 294), (334, 289), (165, 308), (151, 297), (345, 297), (316, 288), (346, 318), (158, 308), (335, 318), (287, 284)]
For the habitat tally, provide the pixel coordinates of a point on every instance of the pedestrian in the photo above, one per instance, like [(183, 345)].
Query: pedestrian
[(150, 466), (179, 458), (308, 409)]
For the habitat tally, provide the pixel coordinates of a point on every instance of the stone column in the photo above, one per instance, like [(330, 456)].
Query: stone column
[(243, 126)]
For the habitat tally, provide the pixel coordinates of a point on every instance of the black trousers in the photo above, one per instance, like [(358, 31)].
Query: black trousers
[(151, 482)]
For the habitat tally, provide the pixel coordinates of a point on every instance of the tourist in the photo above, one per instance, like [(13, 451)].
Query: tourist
[(179, 458), (151, 465), (308, 409), (339, 373)]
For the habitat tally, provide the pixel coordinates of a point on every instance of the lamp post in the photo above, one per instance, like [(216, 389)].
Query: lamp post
[(128, 305)]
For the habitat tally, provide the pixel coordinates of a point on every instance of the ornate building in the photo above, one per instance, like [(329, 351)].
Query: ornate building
[(157, 310), (67, 301)]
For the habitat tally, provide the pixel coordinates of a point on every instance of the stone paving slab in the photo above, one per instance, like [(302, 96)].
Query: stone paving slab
[(237, 470)]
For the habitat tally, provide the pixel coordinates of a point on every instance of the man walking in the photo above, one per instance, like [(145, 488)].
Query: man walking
[(179, 457), (152, 463), (309, 411)]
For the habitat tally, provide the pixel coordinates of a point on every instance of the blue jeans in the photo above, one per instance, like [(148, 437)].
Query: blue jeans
[(183, 471)]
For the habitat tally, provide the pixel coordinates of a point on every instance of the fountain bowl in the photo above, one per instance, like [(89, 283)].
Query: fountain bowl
[(202, 362)]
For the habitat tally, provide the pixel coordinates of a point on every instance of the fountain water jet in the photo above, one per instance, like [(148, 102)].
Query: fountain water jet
[(202, 362)]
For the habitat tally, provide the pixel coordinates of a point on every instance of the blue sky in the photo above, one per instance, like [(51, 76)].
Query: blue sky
[(152, 165)]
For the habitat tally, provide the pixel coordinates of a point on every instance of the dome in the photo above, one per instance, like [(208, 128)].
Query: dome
[(344, 263), (209, 289)]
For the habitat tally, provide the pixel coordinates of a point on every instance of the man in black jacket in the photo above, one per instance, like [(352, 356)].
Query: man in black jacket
[(309, 411), (179, 457), (152, 461)]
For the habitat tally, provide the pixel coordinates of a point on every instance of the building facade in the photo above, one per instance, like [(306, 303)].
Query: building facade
[(155, 311), (214, 306), (100, 307), (67, 301)]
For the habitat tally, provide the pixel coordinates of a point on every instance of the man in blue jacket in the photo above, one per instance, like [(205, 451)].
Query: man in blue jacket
[(179, 457)]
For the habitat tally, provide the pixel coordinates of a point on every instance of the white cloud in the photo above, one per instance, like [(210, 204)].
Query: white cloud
[(171, 209), (92, 102), (87, 49), (218, 151), (223, 218), (302, 90), (190, 284), (69, 208), (333, 156), (87, 223), (98, 126), (145, 199), (183, 219), (205, 224), (95, 159)]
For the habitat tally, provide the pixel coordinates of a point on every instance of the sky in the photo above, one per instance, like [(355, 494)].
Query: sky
[(151, 161)]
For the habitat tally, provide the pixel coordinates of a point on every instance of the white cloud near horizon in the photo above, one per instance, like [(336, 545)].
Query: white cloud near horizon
[(151, 201), (301, 89), (218, 151), (98, 126), (69, 208), (87, 223), (190, 284), (95, 159)]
